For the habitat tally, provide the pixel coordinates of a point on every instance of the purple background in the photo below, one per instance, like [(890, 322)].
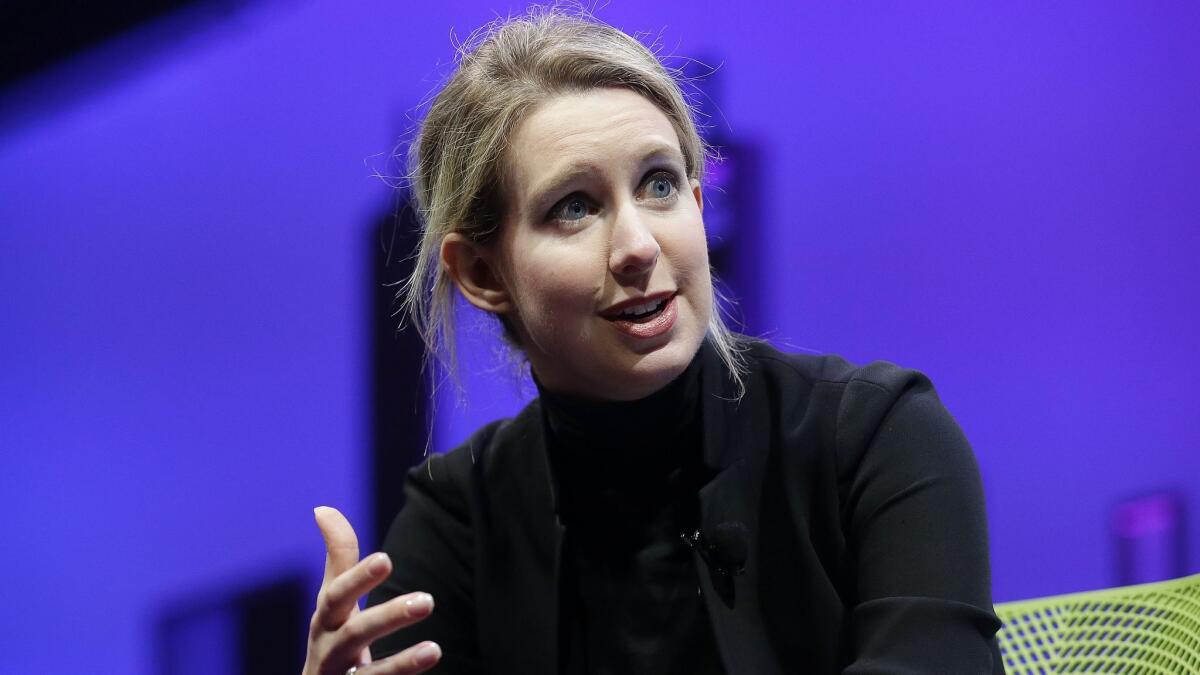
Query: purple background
[(1003, 197)]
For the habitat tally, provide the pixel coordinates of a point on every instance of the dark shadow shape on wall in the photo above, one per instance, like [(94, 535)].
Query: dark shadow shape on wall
[(257, 630), (732, 193), (59, 54), (37, 33), (400, 418), (731, 218)]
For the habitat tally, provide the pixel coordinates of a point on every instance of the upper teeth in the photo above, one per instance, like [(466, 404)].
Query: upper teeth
[(641, 309)]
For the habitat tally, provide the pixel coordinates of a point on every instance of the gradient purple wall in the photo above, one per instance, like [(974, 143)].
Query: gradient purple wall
[(1005, 198)]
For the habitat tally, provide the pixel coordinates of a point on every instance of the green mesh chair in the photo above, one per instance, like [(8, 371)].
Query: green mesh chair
[(1135, 630)]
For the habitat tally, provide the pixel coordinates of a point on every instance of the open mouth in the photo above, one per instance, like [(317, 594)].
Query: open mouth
[(648, 319), (641, 313)]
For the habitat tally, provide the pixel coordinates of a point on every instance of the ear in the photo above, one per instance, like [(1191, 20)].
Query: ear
[(698, 194), (473, 269)]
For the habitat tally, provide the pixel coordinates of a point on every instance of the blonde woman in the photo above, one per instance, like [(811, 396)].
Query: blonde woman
[(678, 499)]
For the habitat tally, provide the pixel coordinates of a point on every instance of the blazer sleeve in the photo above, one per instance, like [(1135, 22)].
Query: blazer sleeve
[(913, 513), (431, 547)]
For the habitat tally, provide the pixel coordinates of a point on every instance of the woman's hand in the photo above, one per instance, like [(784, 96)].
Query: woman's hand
[(339, 635)]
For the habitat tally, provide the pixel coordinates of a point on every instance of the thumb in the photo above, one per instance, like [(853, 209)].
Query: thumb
[(341, 544)]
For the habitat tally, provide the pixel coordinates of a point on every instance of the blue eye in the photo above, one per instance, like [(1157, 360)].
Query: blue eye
[(660, 186), (571, 208)]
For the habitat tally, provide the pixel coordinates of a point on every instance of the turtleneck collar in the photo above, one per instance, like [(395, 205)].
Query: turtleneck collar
[(621, 453)]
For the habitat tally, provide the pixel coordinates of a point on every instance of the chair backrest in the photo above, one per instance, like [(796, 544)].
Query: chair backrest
[(1143, 630)]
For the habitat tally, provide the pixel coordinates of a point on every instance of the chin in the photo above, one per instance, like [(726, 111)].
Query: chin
[(647, 373)]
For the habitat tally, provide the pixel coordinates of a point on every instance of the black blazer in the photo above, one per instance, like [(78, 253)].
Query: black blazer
[(867, 536)]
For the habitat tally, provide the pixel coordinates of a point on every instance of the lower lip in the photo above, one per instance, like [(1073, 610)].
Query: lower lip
[(656, 326)]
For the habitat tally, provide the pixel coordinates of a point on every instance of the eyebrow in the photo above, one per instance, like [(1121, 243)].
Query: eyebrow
[(575, 171)]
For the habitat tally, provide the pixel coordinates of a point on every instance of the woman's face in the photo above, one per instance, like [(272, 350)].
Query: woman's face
[(603, 249)]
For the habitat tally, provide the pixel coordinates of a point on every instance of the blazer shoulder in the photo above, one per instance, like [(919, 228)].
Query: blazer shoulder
[(491, 444), (856, 401), (830, 369)]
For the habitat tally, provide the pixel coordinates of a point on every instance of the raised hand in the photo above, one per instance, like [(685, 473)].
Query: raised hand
[(340, 634)]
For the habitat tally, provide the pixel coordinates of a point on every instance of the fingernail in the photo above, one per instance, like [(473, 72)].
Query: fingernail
[(378, 564), (427, 654), (419, 605)]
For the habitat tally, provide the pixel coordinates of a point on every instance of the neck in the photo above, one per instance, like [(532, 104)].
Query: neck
[(620, 427), (611, 458)]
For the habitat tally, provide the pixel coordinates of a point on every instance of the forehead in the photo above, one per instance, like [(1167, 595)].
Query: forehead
[(595, 130)]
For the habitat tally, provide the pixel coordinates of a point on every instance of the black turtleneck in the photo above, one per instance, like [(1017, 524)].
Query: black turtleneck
[(625, 489)]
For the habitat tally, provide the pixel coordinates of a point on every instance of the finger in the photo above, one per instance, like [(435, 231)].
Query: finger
[(416, 659), (338, 600), (376, 622), (341, 544)]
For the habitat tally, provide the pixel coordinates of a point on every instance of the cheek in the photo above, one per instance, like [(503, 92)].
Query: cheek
[(688, 250), (690, 258), (698, 248), (556, 276)]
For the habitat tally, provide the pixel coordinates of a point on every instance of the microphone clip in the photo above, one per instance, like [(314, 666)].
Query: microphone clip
[(726, 564)]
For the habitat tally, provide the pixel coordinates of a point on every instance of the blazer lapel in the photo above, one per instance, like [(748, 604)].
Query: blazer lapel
[(523, 549), (736, 441)]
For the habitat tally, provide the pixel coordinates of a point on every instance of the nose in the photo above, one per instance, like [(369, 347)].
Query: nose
[(634, 248)]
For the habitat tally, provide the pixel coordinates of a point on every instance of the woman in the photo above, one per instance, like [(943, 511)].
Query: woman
[(677, 499)]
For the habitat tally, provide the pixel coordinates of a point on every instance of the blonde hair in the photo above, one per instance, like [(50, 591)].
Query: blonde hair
[(456, 162)]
